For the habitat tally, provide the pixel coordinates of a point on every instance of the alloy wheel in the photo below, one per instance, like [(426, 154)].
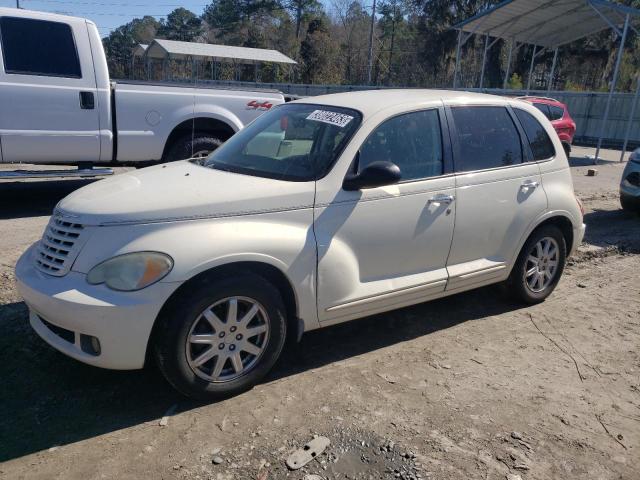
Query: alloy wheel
[(227, 339), (542, 264)]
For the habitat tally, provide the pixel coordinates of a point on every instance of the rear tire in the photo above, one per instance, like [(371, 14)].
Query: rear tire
[(188, 146), (537, 270), (200, 325), (567, 149)]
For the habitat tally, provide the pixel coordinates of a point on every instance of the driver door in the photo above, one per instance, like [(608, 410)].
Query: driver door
[(386, 247)]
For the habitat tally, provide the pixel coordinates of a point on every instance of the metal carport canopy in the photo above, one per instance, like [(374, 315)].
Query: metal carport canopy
[(547, 23)]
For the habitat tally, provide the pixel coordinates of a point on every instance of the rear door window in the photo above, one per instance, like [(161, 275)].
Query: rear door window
[(413, 141), (487, 138), (540, 143), (38, 47)]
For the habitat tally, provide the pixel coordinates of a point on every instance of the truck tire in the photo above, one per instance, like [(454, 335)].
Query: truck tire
[(221, 337), (197, 146)]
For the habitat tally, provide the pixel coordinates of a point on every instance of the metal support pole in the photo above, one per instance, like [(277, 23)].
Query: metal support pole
[(455, 69), (614, 81), (484, 59), (255, 72), (373, 24), (553, 69), (506, 75), (17, 3), (630, 123), (533, 60)]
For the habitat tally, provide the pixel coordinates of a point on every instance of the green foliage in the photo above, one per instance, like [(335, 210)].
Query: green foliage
[(572, 86), (181, 24), (414, 44), (515, 82)]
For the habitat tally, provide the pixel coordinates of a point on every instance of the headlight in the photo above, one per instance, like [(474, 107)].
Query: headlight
[(131, 271)]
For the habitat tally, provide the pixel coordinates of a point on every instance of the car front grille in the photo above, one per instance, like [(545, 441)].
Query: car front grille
[(59, 246)]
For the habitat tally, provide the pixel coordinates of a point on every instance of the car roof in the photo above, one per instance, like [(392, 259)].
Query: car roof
[(369, 102), (546, 100)]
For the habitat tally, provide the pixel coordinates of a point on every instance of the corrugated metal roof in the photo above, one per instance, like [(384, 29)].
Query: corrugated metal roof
[(160, 48), (140, 48), (547, 23)]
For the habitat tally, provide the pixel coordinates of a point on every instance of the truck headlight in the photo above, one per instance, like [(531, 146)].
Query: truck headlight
[(131, 271)]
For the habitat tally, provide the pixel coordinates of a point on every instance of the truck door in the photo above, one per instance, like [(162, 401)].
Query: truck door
[(48, 107)]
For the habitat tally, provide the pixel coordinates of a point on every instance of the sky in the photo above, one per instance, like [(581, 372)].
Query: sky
[(110, 14)]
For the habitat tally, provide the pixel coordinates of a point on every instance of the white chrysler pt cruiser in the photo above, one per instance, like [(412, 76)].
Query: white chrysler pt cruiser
[(320, 211)]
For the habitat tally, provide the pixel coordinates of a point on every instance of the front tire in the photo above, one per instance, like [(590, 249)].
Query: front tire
[(539, 266), (221, 337)]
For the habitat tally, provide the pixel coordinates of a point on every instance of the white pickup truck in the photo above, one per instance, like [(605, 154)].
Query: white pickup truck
[(58, 105)]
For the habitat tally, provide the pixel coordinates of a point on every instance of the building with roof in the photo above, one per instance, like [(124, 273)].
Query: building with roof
[(191, 60), (548, 25)]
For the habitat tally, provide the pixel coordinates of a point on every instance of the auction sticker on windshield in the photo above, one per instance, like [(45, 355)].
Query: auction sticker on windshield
[(334, 118)]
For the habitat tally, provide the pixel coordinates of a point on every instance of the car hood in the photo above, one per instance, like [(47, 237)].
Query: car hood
[(181, 191)]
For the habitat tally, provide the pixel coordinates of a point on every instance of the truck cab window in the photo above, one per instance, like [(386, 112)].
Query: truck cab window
[(38, 47)]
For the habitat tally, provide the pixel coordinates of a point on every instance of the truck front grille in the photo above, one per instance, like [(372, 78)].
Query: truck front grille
[(59, 246)]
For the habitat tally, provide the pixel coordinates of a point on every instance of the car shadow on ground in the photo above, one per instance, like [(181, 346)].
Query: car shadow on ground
[(35, 198), (582, 161), (613, 228), (48, 399)]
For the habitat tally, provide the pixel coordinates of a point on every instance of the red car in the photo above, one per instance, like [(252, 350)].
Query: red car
[(558, 114)]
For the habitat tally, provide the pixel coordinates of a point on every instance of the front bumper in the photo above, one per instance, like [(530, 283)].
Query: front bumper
[(121, 321)]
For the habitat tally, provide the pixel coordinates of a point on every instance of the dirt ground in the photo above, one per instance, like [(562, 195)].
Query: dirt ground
[(468, 387)]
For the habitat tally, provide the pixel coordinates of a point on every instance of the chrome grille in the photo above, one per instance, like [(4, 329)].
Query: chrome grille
[(59, 246)]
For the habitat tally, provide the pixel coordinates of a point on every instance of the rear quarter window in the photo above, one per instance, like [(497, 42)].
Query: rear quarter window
[(540, 143), (38, 47), (487, 138)]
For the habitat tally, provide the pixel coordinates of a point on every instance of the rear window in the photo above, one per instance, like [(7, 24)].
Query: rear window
[(544, 108), (487, 137), (556, 113), (539, 141), (38, 47)]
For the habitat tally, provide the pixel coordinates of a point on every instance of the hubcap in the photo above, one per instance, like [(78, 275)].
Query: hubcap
[(222, 350), (542, 265)]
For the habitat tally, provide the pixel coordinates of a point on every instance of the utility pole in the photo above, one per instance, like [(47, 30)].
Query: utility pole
[(373, 24), (393, 34)]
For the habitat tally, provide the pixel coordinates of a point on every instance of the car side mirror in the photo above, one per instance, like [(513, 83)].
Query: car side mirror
[(376, 174)]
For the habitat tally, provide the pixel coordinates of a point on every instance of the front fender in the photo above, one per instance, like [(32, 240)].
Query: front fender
[(284, 241)]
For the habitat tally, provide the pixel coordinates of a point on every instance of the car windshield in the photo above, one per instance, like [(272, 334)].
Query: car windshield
[(294, 142)]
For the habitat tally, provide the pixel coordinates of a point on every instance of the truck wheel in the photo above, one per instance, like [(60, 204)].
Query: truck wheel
[(539, 266), (221, 337), (198, 146)]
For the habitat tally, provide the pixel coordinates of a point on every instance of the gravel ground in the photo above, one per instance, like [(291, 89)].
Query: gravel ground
[(466, 387)]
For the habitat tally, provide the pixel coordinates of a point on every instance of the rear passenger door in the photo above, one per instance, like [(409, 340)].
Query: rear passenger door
[(498, 193), (48, 105)]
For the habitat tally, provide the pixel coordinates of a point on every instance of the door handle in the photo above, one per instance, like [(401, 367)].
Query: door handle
[(527, 184), (87, 101), (441, 200)]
